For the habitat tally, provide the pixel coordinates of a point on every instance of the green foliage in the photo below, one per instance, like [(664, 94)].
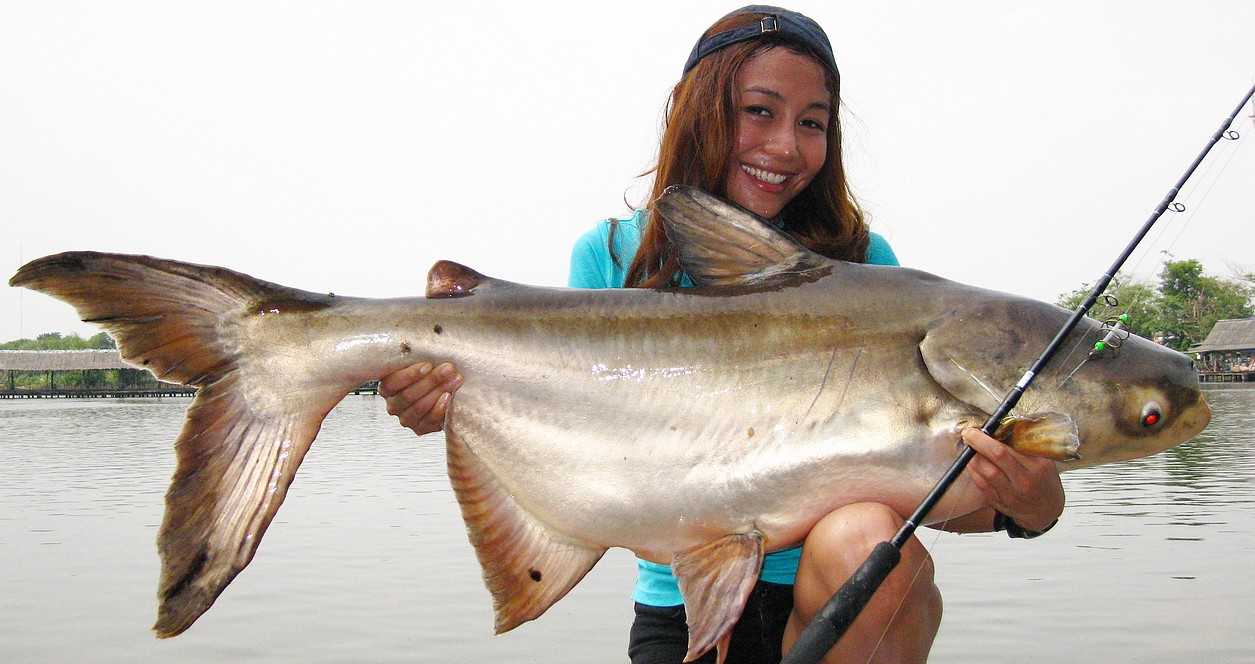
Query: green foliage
[(101, 340), (1138, 300), (30, 380), (54, 341), (1181, 310), (1191, 302)]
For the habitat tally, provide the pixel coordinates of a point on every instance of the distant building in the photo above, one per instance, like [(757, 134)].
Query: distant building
[(61, 360), (88, 365), (1228, 348)]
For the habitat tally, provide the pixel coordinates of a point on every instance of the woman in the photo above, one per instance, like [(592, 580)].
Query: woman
[(754, 119)]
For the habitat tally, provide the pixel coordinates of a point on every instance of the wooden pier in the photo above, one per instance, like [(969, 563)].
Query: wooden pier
[(161, 391), (1226, 376), (126, 381), (86, 393)]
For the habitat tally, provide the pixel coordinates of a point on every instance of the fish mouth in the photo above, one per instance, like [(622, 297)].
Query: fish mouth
[(1202, 416)]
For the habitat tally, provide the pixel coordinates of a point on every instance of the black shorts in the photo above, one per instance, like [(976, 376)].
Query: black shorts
[(659, 635)]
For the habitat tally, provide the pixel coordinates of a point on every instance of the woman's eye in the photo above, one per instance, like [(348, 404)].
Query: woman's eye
[(757, 110)]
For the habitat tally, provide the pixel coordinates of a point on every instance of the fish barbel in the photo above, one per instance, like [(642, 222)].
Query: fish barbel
[(699, 427)]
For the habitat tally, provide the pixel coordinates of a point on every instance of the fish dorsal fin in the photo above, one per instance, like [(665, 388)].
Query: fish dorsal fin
[(449, 279), (716, 579), (723, 244), (527, 566)]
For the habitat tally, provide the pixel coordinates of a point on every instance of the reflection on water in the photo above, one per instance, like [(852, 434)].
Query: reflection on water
[(1151, 562), (368, 560)]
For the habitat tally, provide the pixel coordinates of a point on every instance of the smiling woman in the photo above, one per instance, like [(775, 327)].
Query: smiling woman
[(216, 133), (754, 119), (776, 89), (220, 133), (781, 130)]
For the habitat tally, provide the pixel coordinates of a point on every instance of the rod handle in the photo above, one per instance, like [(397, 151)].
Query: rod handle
[(840, 611)]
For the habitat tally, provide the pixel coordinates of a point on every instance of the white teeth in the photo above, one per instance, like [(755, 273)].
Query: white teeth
[(765, 176)]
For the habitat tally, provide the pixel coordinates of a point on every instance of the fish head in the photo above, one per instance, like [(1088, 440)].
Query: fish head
[(1130, 401), (1133, 401)]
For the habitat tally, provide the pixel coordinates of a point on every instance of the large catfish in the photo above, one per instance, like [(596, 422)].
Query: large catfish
[(701, 427)]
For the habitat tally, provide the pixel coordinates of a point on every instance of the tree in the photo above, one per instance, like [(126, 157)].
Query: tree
[(1192, 302), (101, 340), (1180, 312), (54, 341), (1138, 300)]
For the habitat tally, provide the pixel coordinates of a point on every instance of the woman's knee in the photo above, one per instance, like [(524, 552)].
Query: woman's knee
[(843, 540), (902, 618), (854, 529)]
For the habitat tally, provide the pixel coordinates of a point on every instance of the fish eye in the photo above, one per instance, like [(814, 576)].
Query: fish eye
[(1152, 415)]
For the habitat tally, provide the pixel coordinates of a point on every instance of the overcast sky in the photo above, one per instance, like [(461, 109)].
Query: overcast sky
[(346, 146)]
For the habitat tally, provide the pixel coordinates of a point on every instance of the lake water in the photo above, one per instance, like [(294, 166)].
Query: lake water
[(368, 561)]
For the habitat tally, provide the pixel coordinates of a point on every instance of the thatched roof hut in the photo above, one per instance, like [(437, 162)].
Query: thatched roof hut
[(61, 360), (1229, 335)]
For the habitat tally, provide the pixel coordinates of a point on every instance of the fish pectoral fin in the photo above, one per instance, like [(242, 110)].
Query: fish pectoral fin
[(234, 469), (527, 566), (722, 244), (956, 378), (978, 351), (1049, 435), (716, 579)]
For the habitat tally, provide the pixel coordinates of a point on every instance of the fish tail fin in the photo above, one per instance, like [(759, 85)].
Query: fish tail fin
[(246, 431)]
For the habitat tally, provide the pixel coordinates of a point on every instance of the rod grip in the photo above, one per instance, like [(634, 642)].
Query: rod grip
[(840, 611)]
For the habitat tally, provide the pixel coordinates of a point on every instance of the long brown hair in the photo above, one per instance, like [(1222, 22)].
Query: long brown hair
[(696, 148)]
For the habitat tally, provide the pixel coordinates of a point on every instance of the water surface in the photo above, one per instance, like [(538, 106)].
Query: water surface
[(368, 559)]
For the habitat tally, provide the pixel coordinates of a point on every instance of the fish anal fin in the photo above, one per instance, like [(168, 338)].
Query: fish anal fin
[(1049, 435), (448, 279), (526, 565), (722, 244), (715, 579)]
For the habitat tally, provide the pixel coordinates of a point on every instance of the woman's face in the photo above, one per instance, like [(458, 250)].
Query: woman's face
[(782, 115)]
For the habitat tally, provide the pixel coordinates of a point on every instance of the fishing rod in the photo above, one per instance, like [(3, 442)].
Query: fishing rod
[(840, 611)]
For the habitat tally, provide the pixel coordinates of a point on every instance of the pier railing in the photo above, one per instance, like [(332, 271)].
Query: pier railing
[(148, 392)]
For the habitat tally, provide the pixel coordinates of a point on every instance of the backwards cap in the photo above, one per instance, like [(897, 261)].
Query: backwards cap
[(779, 24)]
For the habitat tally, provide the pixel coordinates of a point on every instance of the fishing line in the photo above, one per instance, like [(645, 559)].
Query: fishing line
[(1208, 177), (836, 616), (1233, 137), (1191, 201), (1189, 204), (936, 539)]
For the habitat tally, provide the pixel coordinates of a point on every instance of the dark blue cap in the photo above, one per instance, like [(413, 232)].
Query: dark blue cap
[(779, 24)]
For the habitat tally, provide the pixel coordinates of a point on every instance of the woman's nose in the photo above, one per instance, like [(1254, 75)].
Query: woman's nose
[(782, 141)]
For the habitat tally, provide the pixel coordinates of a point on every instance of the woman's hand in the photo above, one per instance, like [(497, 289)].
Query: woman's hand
[(419, 394), (1025, 488)]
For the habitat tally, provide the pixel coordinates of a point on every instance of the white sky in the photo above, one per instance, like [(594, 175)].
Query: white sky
[(346, 146)]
